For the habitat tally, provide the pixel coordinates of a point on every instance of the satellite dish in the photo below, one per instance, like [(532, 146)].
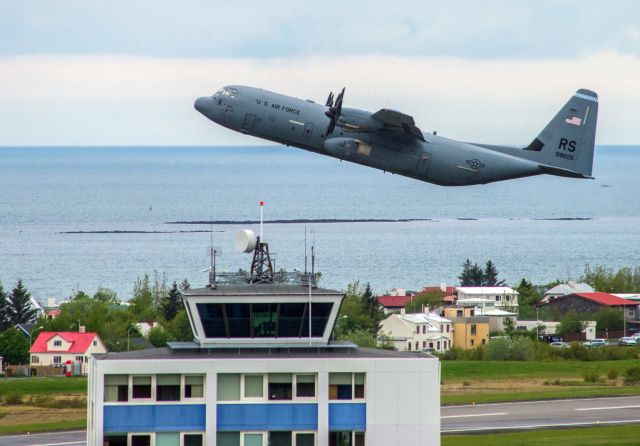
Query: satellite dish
[(245, 240)]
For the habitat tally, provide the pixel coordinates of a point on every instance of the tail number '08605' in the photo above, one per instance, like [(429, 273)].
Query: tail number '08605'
[(565, 146)]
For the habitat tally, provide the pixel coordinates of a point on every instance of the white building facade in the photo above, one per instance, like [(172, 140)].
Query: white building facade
[(418, 332)]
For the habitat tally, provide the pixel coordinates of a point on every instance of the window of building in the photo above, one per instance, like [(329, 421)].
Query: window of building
[(35, 360), (472, 342), (280, 438), (167, 439), (305, 386), (115, 440), (168, 387), (417, 345), (484, 341), (346, 386), (409, 346), (86, 359), (247, 320), (252, 438), (497, 298), (141, 387), (79, 358), (305, 439), (448, 328), (254, 386), (280, 386), (57, 359), (141, 440), (228, 439), (438, 345), (95, 343), (417, 329), (458, 313), (473, 329), (358, 385), (346, 438), (57, 343), (228, 387), (472, 313), (424, 344), (340, 385), (191, 440), (116, 388), (194, 386), (430, 344), (424, 329)]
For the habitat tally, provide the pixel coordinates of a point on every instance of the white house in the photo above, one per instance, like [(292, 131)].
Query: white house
[(56, 348), (418, 331), (563, 289), (501, 297), (547, 328)]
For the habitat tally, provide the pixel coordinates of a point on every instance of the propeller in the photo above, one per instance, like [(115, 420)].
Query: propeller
[(334, 111)]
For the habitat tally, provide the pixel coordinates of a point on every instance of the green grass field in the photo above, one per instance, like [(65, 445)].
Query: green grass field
[(40, 386), (627, 435), (44, 427), (479, 370)]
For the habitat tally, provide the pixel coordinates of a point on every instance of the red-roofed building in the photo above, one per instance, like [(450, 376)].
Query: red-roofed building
[(57, 347), (393, 304), (592, 302)]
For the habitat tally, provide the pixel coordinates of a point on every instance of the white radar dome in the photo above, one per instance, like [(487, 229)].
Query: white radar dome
[(245, 240)]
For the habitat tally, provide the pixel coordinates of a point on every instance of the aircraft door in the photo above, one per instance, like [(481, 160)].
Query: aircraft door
[(247, 123), (423, 164), (308, 130)]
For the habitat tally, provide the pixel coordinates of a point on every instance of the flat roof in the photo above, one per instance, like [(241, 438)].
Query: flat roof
[(271, 289), (165, 353)]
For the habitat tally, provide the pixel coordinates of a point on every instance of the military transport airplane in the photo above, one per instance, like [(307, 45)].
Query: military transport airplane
[(390, 140)]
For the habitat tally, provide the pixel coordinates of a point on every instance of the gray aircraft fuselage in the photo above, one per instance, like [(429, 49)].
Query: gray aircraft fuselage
[(361, 138)]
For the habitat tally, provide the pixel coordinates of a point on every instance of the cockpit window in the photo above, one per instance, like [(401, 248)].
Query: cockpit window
[(226, 91)]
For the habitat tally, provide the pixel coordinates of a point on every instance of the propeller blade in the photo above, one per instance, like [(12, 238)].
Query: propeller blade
[(329, 102)]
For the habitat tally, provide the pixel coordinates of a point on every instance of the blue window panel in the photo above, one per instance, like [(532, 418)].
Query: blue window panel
[(154, 418), (267, 417), (347, 417)]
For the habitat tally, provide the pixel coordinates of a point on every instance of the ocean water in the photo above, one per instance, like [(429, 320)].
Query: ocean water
[(540, 228)]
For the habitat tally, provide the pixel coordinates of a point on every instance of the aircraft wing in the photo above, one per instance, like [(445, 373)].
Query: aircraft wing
[(395, 119)]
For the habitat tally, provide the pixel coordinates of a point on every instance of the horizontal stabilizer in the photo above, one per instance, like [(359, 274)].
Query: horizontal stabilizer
[(558, 171)]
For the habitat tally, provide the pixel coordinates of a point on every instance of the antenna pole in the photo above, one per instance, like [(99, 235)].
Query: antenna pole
[(310, 309), (305, 249), (261, 206)]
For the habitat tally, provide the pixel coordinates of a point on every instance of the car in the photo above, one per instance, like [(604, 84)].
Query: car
[(595, 343), (559, 344), (627, 341), (636, 336)]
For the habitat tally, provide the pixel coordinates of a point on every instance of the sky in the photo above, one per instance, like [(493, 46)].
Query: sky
[(127, 72)]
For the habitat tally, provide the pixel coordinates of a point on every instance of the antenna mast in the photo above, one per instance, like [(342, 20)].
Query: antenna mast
[(261, 266)]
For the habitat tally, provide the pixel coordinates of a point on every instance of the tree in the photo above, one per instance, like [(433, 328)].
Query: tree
[(466, 277), (570, 323), (185, 285), (3, 308), (20, 310), (171, 303), (14, 347), (372, 308), (421, 301), (141, 304), (509, 327), (107, 296), (624, 280), (490, 275), (528, 298), (609, 319)]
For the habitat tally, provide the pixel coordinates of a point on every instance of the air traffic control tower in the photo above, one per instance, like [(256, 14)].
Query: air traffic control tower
[(262, 371)]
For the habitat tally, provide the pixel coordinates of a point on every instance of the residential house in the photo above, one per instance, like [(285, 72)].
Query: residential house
[(56, 348), (418, 331), (566, 288), (501, 297), (469, 330), (592, 302), (393, 304), (549, 329)]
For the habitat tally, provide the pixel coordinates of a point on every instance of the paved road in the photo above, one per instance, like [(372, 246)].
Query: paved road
[(540, 414), (468, 418)]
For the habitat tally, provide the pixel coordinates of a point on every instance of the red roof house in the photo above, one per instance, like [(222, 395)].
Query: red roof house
[(56, 348), (591, 302)]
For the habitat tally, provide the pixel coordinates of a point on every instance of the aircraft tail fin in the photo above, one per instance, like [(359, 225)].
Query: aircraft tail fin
[(565, 146)]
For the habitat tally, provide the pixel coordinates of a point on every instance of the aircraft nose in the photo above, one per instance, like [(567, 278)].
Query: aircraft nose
[(201, 104)]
